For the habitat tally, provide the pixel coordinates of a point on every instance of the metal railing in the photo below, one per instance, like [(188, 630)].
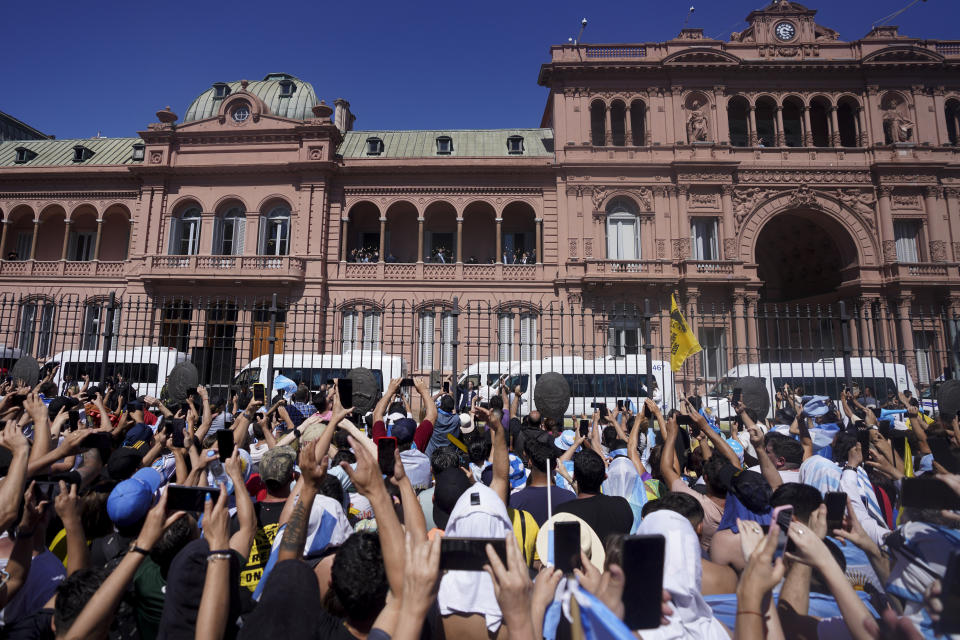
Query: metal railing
[(222, 335)]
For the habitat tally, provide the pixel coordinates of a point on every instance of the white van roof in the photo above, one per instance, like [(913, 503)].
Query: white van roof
[(356, 357), (140, 354)]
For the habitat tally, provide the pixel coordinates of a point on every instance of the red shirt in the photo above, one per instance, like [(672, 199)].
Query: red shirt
[(420, 437)]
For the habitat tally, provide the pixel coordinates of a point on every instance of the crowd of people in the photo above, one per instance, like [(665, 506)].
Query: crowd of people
[(309, 536), (442, 255)]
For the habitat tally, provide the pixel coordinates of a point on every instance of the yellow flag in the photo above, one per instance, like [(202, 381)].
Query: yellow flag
[(683, 343)]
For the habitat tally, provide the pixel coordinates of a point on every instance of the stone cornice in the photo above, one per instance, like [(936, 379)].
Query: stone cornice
[(69, 195), (391, 191)]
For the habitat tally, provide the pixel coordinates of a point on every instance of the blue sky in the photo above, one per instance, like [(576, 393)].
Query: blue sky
[(75, 68)]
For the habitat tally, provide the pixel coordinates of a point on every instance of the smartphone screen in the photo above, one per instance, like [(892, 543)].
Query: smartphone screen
[(224, 444), (783, 516), (737, 392), (406, 382), (46, 490), (386, 454), (584, 428), (836, 508), (928, 493), (566, 546), (345, 391), (950, 597), (899, 442), (643, 571), (446, 386), (683, 419), (620, 405), (864, 437), (646, 411), (73, 420), (469, 554), (181, 498), (259, 393)]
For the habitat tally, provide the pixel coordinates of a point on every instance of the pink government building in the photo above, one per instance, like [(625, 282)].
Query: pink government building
[(781, 165)]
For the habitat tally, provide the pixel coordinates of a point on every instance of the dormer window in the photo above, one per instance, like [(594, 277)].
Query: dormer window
[(24, 155), (221, 90), (374, 146), (287, 87), (138, 151), (444, 145), (515, 145), (81, 153)]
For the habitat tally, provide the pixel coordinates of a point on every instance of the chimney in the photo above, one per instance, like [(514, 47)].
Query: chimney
[(342, 116)]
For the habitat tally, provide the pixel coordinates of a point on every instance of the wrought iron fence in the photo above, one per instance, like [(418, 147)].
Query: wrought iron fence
[(223, 336)]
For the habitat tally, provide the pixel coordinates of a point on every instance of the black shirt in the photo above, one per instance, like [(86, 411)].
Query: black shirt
[(605, 514)]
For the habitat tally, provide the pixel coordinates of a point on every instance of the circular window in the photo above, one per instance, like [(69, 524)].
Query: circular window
[(240, 113)]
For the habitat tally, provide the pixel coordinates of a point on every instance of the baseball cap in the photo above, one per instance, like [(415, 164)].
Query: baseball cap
[(139, 432), (277, 464), (130, 500), (123, 463), (403, 430)]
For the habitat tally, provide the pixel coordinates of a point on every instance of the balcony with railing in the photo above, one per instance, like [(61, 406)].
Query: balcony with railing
[(707, 269), (225, 267), (929, 272), (430, 271), (62, 269)]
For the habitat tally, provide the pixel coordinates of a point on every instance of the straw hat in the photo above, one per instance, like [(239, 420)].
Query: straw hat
[(590, 542)]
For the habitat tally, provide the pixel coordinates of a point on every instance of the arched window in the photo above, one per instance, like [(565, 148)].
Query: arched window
[(352, 320), (952, 111), (36, 327), (820, 122), (738, 116), (185, 233), (793, 122), (766, 122), (623, 230), (598, 123), (229, 233), (847, 116), (275, 232), (618, 123)]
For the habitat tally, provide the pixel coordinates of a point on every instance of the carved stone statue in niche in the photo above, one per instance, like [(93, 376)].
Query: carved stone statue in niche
[(696, 123), (897, 126)]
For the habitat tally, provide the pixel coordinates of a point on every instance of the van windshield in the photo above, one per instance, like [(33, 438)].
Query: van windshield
[(132, 372), (723, 388), (832, 386), (598, 385), (313, 378)]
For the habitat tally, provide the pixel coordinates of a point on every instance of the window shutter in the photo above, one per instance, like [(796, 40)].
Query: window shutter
[(239, 236), (371, 330), (349, 330), (612, 252), (426, 341), (447, 339), (28, 314), (262, 236), (172, 248), (46, 330), (505, 337), (528, 337), (72, 246), (218, 225)]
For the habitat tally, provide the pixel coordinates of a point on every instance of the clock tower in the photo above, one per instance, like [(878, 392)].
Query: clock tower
[(784, 23)]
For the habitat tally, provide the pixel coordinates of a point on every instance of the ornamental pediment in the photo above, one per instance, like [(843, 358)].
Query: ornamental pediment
[(912, 55), (701, 56)]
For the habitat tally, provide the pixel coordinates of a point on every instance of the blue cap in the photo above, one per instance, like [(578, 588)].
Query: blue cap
[(565, 440), (130, 500), (403, 430), (139, 432), (518, 473)]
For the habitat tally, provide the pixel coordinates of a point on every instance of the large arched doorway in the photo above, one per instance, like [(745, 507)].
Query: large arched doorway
[(804, 255)]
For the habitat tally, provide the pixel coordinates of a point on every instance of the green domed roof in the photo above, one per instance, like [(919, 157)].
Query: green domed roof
[(298, 105)]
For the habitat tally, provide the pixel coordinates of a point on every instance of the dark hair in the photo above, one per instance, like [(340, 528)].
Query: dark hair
[(802, 497), (785, 447), (608, 436), (655, 452), (343, 455), (496, 402), (444, 458), (359, 577), (479, 449), (320, 402), (74, 593), (842, 445), (340, 439), (589, 471), (684, 504), (713, 471), (332, 488), (174, 538), (537, 449)]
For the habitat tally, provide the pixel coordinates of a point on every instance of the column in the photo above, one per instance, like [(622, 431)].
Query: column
[(96, 246), (420, 239), (753, 348), (886, 225), (608, 129), (627, 127), (726, 221), (953, 213), (539, 223), (938, 232), (834, 128), (647, 129), (740, 329), (720, 114), (807, 131), (499, 239), (904, 304), (753, 126), (66, 238), (33, 241), (344, 230), (383, 238), (683, 223), (3, 240), (781, 139), (459, 239)]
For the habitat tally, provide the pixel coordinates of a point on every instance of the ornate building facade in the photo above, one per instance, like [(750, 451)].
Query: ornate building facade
[(783, 165)]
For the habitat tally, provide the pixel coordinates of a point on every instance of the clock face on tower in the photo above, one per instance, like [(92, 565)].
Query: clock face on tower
[(785, 31)]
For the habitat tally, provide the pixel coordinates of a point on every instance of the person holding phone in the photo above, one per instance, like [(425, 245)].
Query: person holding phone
[(421, 433)]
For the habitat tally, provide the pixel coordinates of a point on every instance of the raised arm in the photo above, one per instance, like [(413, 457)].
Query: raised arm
[(429, 405), (34, 406), (501, 457), (67, 506), (384, 403), (11, 488), (242, 539), (719, 444), (215, 601), (668, 455)]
